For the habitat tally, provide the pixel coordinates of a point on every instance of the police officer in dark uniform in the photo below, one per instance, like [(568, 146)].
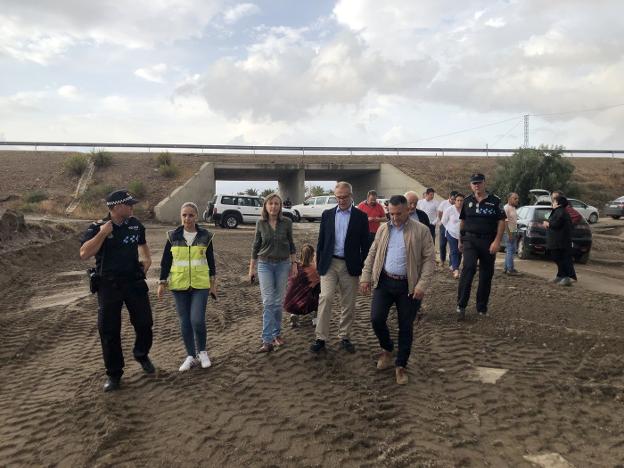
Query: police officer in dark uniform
[(116, 242), (482, 223)]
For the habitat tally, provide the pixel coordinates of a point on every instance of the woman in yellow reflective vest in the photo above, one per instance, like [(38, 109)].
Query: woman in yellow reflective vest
[(188, 269)]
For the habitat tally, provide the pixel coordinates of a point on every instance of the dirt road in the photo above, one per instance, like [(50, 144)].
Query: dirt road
[(541, 376)]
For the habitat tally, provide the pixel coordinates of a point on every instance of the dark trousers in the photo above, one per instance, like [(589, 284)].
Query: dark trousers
[(111, 297), (371, 238), (390, 291), (476, 249), (563, 259), (432, 230), (443, 242)]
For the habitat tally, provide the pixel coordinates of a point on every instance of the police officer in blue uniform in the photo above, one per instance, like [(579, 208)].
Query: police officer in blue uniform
[(482, 223), (116, 242)]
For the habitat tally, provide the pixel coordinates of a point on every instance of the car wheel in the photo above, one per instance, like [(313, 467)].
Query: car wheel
[(310, 220), (582, 259), (523, 251), (615, 216), (593, 218), (230, 221), (205, 216), (297, 216), (289, 216)]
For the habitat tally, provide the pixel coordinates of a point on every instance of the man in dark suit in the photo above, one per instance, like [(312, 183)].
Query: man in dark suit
[(340, 254)]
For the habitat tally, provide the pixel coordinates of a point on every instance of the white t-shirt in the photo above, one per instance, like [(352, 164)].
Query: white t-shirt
[(444, 204), (431, 208), (450, 219), (512, 217), (189, 237)]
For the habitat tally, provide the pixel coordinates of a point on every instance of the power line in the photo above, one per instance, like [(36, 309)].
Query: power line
[(507, 132)]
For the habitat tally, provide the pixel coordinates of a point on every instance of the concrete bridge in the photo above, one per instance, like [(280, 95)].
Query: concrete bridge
[(200, 188)]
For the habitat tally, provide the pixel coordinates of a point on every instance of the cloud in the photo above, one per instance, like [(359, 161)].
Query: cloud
[(286, 76), (154, 73), (36, 31), (239, 11), (68, 92)]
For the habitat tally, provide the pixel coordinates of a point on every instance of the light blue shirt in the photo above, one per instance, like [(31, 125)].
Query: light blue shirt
[(341, 223), (396, 255)]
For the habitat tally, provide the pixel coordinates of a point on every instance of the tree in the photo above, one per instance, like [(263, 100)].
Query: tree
[(251, 191), (316, 190), (266, 192), (531, 168)]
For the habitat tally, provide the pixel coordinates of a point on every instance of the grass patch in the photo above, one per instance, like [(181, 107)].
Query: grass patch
[(76, 164), (28, 207), (164, 159), (137, 188), (168, 170), (97, 193), (35, 196), (102, 159)]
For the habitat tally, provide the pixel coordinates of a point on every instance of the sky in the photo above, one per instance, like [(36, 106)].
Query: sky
[(314, 72)]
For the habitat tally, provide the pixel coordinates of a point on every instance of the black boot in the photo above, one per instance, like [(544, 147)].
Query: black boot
[(112, 384)]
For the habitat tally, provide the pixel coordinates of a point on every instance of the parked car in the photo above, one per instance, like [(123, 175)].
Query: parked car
[(229, 211), (313, 207), (532, 234), (615, 208), (590, 213)]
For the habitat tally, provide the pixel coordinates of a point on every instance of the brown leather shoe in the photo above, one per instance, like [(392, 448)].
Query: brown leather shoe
[(401, 376), (265, 348), (385, 360)]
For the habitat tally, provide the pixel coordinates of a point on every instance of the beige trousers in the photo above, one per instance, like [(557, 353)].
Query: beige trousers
[(337, 277)]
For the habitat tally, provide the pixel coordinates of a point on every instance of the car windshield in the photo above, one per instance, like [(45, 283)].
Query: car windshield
[(541, 214)]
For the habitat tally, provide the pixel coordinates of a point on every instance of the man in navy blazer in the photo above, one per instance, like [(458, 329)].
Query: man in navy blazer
[(340, 254)]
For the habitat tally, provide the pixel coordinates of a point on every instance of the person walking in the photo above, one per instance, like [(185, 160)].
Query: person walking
[(482, 222), (273, 256), (559, 240), (341, 250), (576, 218), (302, 295), (430, 206), (399, 266), (450, 219), (188, 269), (116, 242), (375, 212), (414, 212), (444, 204), (510, 237)]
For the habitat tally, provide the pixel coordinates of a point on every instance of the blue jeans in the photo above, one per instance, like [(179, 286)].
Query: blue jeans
[(273, 278), (455, 256), (191, 308), (510, 250)]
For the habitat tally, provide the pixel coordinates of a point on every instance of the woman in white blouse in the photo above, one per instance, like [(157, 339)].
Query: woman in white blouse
[(450, 220)]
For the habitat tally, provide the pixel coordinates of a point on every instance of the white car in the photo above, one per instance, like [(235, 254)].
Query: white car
[(313, 207), (229, 211), (590, 213)]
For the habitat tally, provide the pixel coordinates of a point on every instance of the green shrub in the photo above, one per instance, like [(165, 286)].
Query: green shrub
[(168, 170), (137, 188), (76, 164), (164, 159), (97, 192), (35, 196), (28, 207), (102, 158)]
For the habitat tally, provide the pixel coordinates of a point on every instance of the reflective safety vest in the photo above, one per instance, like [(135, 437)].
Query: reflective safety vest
[(189, 268)]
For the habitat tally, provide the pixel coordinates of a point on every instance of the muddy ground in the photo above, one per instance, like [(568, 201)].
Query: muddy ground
[(562, 393)]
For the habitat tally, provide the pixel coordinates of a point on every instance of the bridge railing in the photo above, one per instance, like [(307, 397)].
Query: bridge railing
[(303, 150)]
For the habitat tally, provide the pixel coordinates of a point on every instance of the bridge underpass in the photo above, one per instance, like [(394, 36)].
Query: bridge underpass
[(291, 178)]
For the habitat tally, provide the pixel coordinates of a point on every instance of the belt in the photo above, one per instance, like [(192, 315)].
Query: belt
[(338, 257), (394, 277), (480, 236)]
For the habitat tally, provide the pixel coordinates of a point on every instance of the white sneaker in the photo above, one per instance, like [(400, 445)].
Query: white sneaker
[(204, 359), (187, 364)]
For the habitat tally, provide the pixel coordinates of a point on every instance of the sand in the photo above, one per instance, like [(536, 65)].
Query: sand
[(560, 399)]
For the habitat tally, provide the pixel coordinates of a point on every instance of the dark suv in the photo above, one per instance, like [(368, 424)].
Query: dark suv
[(532, 234)]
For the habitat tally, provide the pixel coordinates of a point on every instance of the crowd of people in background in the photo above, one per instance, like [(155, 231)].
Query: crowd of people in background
[(384, 250)]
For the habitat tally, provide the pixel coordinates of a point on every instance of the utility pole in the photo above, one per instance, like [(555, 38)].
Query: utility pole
[(526, 131)]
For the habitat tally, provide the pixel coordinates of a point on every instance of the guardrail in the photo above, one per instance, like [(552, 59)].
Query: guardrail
[(377, 150)]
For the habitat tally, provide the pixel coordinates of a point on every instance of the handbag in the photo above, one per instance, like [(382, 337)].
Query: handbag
[(96, 276)]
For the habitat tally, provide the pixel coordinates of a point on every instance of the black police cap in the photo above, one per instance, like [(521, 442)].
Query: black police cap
[(120, 196), (477, 177)]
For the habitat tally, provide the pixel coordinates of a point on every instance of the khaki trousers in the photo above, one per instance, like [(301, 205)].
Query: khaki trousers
[(337, 277)]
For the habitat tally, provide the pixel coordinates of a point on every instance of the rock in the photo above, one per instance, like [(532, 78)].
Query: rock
[(12, 221)]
